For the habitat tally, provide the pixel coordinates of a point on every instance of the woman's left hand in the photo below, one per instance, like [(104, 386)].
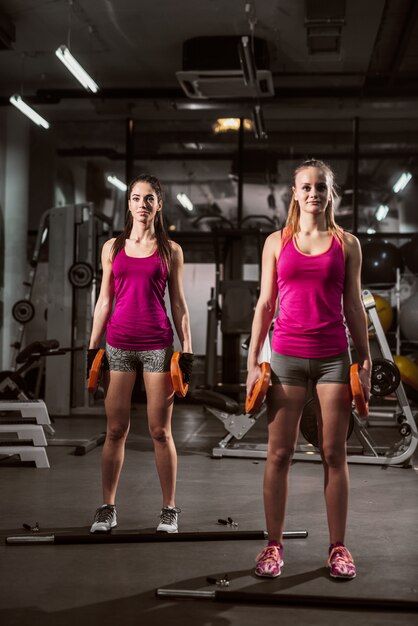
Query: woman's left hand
[(186, 365)]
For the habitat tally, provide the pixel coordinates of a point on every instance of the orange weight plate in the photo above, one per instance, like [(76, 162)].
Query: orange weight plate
[(362, 407), (96, 371), (253, 403), (180, 387)]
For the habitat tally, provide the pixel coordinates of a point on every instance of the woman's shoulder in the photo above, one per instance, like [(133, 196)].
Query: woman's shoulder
[(109, 243), (352, 247), (176, 249), (174, 245), (107, 249), (275, 238), (350, 240)]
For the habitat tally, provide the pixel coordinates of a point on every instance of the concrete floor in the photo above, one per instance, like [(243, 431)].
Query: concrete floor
[(115, 584)]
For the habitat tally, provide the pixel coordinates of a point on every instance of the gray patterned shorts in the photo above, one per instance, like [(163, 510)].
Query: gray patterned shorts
[(132, 360)]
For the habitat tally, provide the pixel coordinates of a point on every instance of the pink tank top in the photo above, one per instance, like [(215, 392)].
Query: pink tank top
[(310, 321), (139, 320)]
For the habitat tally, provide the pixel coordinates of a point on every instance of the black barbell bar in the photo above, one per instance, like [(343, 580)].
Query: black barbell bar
[(328, 601), (115, 537)]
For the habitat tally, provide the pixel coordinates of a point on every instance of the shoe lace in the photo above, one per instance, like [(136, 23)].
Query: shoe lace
[(270, 554), (104, 514), (340, 554), (169, 516)]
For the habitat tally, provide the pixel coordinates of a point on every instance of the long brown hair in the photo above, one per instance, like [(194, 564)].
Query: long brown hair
[(163, 242), (292, 226)]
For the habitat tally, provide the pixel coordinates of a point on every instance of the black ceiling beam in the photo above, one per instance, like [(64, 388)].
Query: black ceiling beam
[(154, 140), (114, 155), (407, 87)]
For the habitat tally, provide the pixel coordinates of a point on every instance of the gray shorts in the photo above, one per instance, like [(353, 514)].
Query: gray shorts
[(133, 360), (293, 370)]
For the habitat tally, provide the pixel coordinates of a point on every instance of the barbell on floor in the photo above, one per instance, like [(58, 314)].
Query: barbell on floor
[(140, 537), (329, 601)]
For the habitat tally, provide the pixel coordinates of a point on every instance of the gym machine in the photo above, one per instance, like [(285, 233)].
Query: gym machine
[(231, 307), (386, 381), (33, 424), (74, 234)]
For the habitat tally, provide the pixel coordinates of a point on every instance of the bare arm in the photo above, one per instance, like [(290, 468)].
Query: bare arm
[(103, 308), (354, 312), (266, 306), (178, 304)]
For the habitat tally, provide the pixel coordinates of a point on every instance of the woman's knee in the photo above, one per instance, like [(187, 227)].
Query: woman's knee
[(160, 434), (117, 431), (334, 456), (281, 458)]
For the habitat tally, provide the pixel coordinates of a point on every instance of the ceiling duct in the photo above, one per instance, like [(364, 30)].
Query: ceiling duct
[(324, 21), (226, 67)]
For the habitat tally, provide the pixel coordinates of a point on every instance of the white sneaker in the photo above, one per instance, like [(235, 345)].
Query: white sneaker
[(104, 519), (168, 520)]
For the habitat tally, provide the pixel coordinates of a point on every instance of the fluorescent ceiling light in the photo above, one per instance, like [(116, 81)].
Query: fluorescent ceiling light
[(192, 145), (370, 231), (198, 106), (381, 212), (117, 183), (402, 182), (185, 201), (24, 108), (75, 68)]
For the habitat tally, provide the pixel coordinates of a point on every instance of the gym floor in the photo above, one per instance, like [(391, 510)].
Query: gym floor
[(115, 584)]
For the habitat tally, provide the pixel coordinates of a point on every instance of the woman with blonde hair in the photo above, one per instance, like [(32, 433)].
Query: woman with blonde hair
[(313, 269)]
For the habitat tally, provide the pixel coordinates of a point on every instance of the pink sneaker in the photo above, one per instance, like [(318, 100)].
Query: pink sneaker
[(270, 562), (340, 563)]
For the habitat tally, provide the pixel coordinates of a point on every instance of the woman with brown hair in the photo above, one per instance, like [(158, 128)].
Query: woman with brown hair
[(138, 265)]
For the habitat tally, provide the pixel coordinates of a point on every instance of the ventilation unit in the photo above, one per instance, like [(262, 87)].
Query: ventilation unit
[(225, 67), (324, 22)]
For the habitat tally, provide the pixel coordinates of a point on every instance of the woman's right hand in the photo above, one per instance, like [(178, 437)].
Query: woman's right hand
[(186, 365), (254, 373), (91, 353)]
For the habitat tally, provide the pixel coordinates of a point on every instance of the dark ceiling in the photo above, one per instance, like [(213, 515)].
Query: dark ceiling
[(333, 64)]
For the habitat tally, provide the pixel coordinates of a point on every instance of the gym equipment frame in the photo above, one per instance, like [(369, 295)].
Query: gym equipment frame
[(367, 452), (15, 398), (138, 537)]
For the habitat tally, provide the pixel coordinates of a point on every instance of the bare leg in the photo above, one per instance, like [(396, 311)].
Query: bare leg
[(160, 398), (285, 404), (334, 402), (118, 410)]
